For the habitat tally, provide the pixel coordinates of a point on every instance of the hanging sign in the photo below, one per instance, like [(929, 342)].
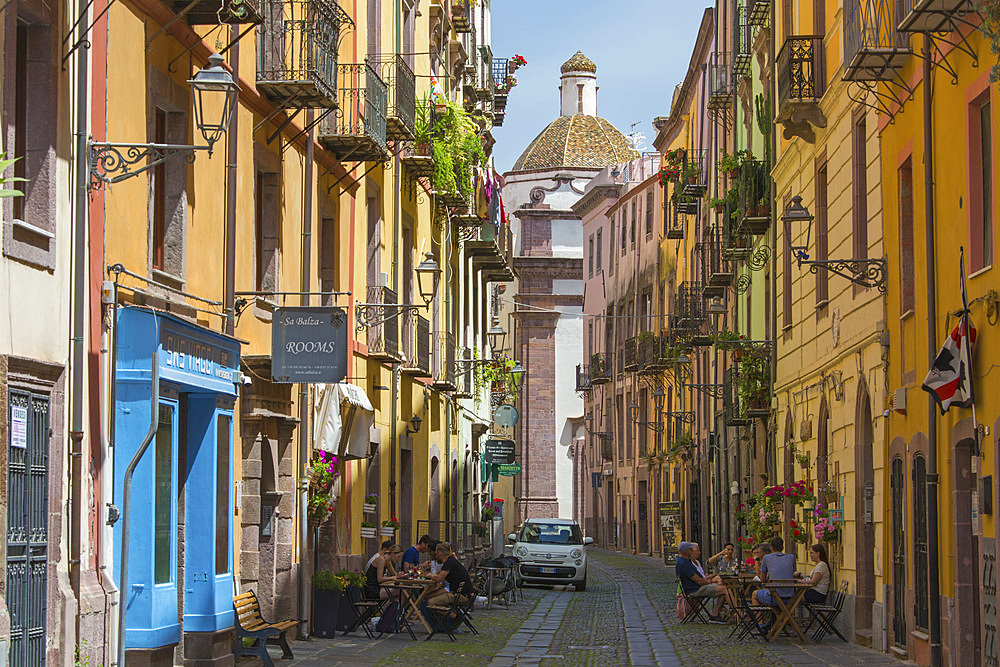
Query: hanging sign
[(18, 426), (505, 416), (499, 451), (309, 344), (509, 469)]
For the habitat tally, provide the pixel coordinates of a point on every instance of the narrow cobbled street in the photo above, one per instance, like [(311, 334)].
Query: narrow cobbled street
[(625, 617)]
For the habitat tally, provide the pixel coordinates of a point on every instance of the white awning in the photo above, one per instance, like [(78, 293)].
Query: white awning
[(342, 417)]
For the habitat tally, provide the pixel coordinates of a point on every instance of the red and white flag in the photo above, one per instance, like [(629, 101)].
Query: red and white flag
[(950, 378)]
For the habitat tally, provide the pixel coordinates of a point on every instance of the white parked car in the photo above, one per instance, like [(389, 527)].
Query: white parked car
[(551, 551)]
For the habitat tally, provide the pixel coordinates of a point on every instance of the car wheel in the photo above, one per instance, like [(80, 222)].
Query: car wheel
[(581, 585)]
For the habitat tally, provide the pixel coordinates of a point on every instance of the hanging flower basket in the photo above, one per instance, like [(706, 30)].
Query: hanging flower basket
[(369, 533), (368, 508)]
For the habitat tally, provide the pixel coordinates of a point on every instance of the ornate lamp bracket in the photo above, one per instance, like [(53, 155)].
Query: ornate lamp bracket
[(374, 314), (865, 272), (685, 416), (111, 163)]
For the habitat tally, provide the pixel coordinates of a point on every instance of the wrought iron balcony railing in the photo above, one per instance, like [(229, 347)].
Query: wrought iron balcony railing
[(874, 50), (742, 41), (694, 172), (401, 83), (736, 243), (465, 384), (688, 316), (582, 378), (717, 271), (600, 368), (630, 354), (445, 373), (672, 224), (934, 16), (356, 130), (801, 72), (297, 52), (383, 339), (754, 192), (758, 12), (212, 12), (501, 84), (720, 81), (416, 345)]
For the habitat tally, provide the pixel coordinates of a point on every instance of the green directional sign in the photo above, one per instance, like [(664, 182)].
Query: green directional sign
[(508, 469)]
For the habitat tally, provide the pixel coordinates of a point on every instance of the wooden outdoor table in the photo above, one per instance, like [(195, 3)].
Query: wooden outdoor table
[(736, 583), (786, 610), (412, 604)]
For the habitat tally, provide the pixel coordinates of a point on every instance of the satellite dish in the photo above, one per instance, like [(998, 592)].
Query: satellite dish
[(505, 415)]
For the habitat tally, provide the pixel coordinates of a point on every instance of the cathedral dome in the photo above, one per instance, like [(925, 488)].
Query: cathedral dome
[(578, 63), (578, 140)]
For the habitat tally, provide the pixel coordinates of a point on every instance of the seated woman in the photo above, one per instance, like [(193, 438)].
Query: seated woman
[(382, 570), (819, 577), (724, 562)]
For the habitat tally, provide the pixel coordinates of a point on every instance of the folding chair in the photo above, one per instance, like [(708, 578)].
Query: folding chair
[(447, 623), (824, 614), (366, 609), (751, 617), (697, 605)]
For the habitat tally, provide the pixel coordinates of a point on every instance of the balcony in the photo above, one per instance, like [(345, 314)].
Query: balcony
[(717, 272), (501, 86), (583, 378), (383, 339), (356, 130), (747, 386), (672, 223), (720, 81), (400, 114), (445, 375), (600, 368), (731, 408), (694, 172), (742, 43), (934, 16), (416, 345), (688, 316), (630, 355), (297, 52), (873, 49), (465, 384), (652, 350), (754, 191), (209, 12), (491, 250), (735, 244), (801, 73), (758, 12), (461, 16), (484, 83)]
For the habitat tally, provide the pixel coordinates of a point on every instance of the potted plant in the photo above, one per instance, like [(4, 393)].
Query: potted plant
[(422, 128), (515, 62), (369, 530), (390, 526), (691, 172), (597, 365), (332, 594), (800, 534), (669, 174), (369, 505), (718, 204), (829, 491), (731, 163)]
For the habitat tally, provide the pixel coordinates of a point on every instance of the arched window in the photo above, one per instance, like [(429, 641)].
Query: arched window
[(920, 569)]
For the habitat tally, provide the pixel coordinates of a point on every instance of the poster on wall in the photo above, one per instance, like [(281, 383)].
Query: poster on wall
[(309, 344), (671, 525), (18, 426)]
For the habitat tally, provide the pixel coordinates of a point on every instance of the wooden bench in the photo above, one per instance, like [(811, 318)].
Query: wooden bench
[(251, 625)]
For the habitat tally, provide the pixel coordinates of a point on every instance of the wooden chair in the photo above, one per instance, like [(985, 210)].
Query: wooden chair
[(251, 624)]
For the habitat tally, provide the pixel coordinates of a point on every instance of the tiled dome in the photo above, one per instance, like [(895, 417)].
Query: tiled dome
[(579, 63), (576, 141)]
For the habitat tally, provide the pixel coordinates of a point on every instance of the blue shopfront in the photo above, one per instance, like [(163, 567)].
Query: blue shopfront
[(180, 563)]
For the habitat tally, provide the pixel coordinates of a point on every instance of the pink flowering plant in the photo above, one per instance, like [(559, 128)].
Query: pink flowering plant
[(322, 473), (826, 529)]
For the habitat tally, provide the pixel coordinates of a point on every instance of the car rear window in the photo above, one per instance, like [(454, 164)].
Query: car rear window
[(550, 533)]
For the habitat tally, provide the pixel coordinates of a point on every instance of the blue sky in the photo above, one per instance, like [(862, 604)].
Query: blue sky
[(641, 48)]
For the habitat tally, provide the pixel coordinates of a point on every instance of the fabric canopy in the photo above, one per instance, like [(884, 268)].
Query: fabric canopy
[(342, 417)]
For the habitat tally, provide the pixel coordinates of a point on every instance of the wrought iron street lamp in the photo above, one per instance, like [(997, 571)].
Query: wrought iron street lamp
[(517, 374), (415, 422), (114, 162), (654, 425), (428, 278), (865, 272)]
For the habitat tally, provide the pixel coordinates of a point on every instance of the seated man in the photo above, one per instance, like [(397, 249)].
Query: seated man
[(776, 565), (411, 557), (695, 584), (454, 574)]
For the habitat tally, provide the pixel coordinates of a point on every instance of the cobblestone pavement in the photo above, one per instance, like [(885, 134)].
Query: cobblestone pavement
[(627, 616)]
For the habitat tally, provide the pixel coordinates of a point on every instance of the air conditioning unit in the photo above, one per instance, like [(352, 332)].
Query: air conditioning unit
[(899, 401)]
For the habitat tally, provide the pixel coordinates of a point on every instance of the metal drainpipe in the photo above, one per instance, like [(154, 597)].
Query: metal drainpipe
[(932, 473), (232, 154), (79, 309), (304, 444), (769, 439), (154, 403), (397, 213)]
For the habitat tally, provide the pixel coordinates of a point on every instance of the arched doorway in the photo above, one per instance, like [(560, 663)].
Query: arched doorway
[(864, 514), (434, 495)]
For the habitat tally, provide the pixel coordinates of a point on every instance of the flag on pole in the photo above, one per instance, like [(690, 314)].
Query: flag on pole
[(950, 378)]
